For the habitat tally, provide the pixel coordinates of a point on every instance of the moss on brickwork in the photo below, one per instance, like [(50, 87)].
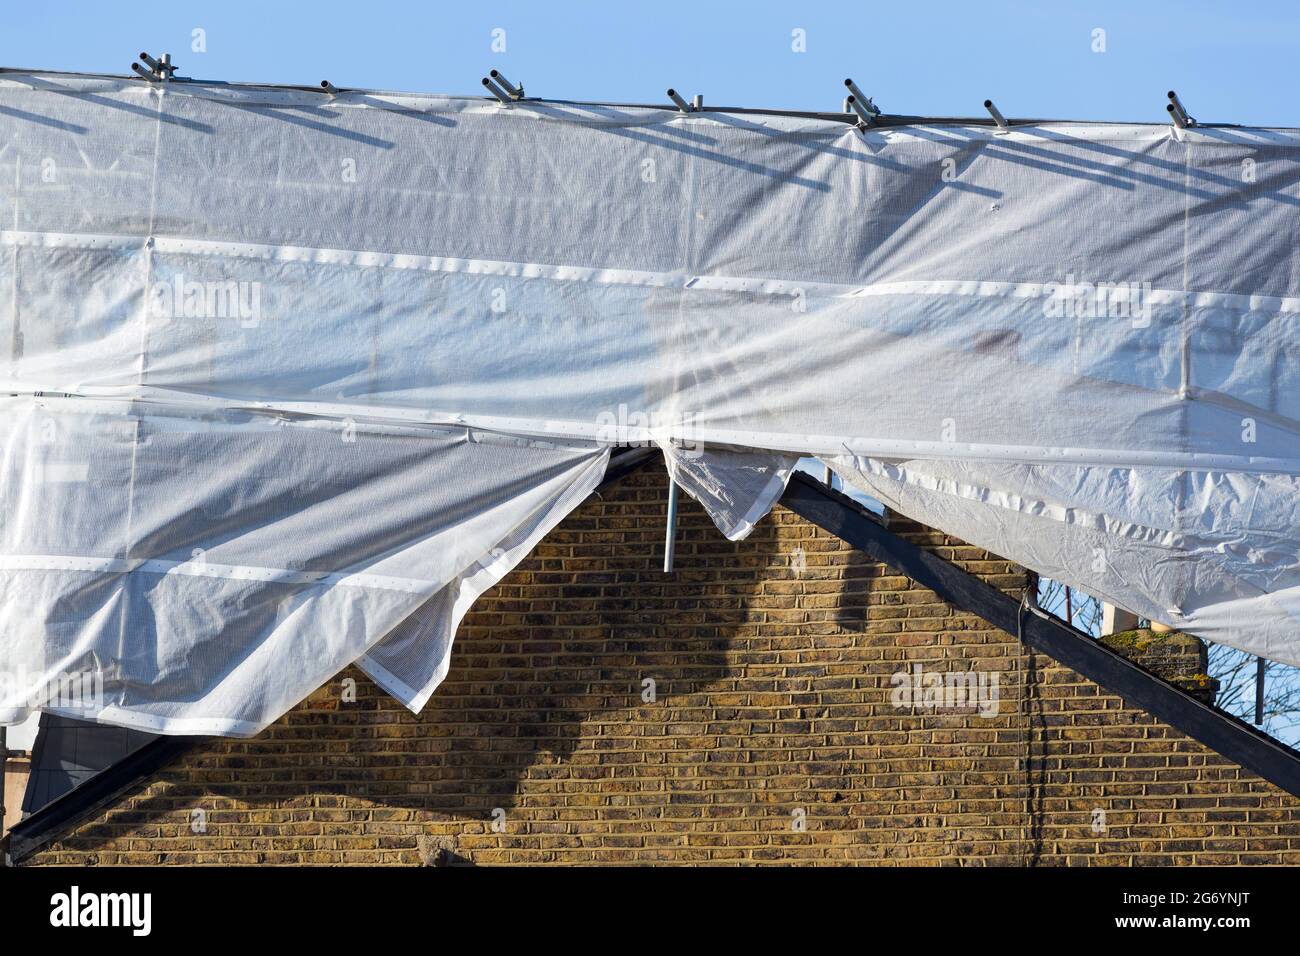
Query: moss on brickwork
[(1144, 639), (1178, 657), (1136, 639)]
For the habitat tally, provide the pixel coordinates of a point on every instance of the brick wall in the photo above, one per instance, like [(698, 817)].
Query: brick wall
[(774, 735)]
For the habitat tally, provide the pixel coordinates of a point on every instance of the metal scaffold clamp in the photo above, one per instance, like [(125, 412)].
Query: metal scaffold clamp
[(1003, 125), (1182, 119), (155, 70), (861, 104), (505, 91), (694, 106), (514, 92)]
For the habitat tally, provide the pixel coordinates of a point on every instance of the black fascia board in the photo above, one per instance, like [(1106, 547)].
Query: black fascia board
[(1215, 728)]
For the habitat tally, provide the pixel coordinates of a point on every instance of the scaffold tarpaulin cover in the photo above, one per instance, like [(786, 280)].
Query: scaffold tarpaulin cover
[(288, 378)]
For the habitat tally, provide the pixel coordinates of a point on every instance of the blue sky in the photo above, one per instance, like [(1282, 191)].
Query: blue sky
[(1230, 62)]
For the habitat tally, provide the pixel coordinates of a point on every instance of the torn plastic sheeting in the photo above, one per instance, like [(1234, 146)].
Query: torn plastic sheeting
[(187, 264), (412, 660), (736, 486), (1210, 553), (138, 548)]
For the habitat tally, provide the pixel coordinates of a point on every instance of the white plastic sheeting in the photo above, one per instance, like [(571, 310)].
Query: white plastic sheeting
[(736, 486), (207, 287), (202, 574), (1212, 553)]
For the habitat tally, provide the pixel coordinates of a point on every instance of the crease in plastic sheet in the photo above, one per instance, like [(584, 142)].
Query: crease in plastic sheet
[(150, 602), (1211, 553), (411, 661), (736, 486), (198, 282)]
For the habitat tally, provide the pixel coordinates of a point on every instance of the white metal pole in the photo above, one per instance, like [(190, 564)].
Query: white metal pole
[(670, 540)]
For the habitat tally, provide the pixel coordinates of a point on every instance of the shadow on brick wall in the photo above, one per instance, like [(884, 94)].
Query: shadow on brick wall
[(588, 678)]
